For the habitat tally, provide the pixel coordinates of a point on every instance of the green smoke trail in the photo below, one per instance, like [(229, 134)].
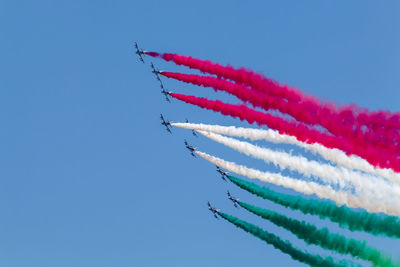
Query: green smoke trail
[(284, 246), (344, 216), (322, 237)]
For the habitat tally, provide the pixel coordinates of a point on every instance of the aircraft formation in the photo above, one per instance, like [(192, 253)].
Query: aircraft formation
[(141, 53), (167, 124), (255, 89)]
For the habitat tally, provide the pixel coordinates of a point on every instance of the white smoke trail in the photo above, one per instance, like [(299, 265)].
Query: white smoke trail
[(331, 154), (366, 184), (308, 188)]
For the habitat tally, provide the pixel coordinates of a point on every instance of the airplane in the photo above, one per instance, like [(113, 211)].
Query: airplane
[(213, 210), (190, 148), (234, 200), (166, 94), (139, 52), (193, 131), (166, 123), (224, 174), (155, 71)]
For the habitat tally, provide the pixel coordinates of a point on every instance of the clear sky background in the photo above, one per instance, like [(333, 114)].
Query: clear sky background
[(88, 176)]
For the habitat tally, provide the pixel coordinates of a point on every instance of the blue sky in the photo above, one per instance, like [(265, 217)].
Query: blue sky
[(89, 177)]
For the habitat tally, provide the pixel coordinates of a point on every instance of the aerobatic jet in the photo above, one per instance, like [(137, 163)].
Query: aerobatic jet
[(166, 123), (155, 71), (166, 94), (193, 131), (139, 52), (190, 148), (224, 174), (234, 200), (213, 210)]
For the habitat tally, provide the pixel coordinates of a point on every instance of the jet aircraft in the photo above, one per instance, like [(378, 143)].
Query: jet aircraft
[(234, 200), (139, 52), (166, 123), (213, 210), (190, 148), (155, 71), (165, 93), (224, 174)]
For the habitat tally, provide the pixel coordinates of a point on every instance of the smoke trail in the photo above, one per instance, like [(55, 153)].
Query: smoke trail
[(299, 111), (382, 122), (308, 188), (300, 131), (331, 154), (365, 184), (283, 246), (322, 237), (242, 75), (152, 54), (345, 217)]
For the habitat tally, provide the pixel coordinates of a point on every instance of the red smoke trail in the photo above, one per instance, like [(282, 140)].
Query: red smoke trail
[(152, 54), (300, 131), (381, 122), (299, 111)]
